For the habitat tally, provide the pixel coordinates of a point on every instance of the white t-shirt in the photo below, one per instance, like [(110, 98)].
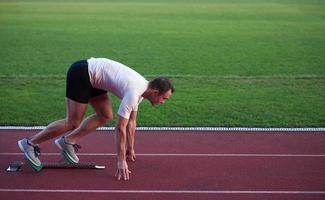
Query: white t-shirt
[(119, 79)]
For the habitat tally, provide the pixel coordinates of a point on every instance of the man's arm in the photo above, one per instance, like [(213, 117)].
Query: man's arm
[(130, 130), (122, 167)]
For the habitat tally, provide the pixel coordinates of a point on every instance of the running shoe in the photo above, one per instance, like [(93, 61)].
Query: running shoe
[(31, 153), (68, 151)]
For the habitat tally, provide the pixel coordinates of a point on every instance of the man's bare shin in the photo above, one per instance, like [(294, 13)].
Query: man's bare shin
[(89, 125), (53, 130)]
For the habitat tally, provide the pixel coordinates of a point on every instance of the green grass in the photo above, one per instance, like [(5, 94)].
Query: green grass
[(234, 62)]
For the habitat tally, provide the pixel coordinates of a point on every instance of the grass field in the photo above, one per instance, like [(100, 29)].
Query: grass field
[(234, 62)]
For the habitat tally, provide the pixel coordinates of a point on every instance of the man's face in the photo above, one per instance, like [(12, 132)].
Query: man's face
[(157, 98)]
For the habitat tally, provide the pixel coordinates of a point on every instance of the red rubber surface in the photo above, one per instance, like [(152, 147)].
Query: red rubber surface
[(223, 172)]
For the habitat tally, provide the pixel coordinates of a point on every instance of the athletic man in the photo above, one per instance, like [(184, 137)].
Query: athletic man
[(88, 82)]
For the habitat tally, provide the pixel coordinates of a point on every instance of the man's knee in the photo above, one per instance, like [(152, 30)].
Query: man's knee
[(105, 117), (73, 124)]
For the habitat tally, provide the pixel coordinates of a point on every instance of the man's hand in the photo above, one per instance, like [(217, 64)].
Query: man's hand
[(122, 170), (130, 155)]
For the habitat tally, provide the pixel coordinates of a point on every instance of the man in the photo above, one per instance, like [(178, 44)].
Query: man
[(88, 82)]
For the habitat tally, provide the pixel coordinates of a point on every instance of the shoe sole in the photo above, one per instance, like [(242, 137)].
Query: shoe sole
[(34, 167), (31, 163), (64, 154)]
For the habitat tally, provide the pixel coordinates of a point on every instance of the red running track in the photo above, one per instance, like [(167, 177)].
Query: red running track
[(177, 165)]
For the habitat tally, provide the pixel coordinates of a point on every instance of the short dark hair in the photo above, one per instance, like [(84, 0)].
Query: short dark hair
[(162, 84)]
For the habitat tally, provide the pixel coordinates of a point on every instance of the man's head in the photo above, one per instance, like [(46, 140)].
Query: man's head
[(159, 90)]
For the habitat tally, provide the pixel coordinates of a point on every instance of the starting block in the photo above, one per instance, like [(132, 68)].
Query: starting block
[(17, 165)]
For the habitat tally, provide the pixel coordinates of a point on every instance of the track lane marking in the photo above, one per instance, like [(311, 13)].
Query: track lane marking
[(191, 129), (165, 191), (181, 155)]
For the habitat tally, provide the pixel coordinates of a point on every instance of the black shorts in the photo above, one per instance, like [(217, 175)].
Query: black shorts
[(79, 87)]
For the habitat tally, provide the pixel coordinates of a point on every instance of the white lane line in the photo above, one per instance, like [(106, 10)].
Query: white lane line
[(181, 155), (198, 129), (164, 191)]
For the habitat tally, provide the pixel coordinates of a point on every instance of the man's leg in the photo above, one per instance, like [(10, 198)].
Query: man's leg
[(67, 144), (103, 113), (75, 113)]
